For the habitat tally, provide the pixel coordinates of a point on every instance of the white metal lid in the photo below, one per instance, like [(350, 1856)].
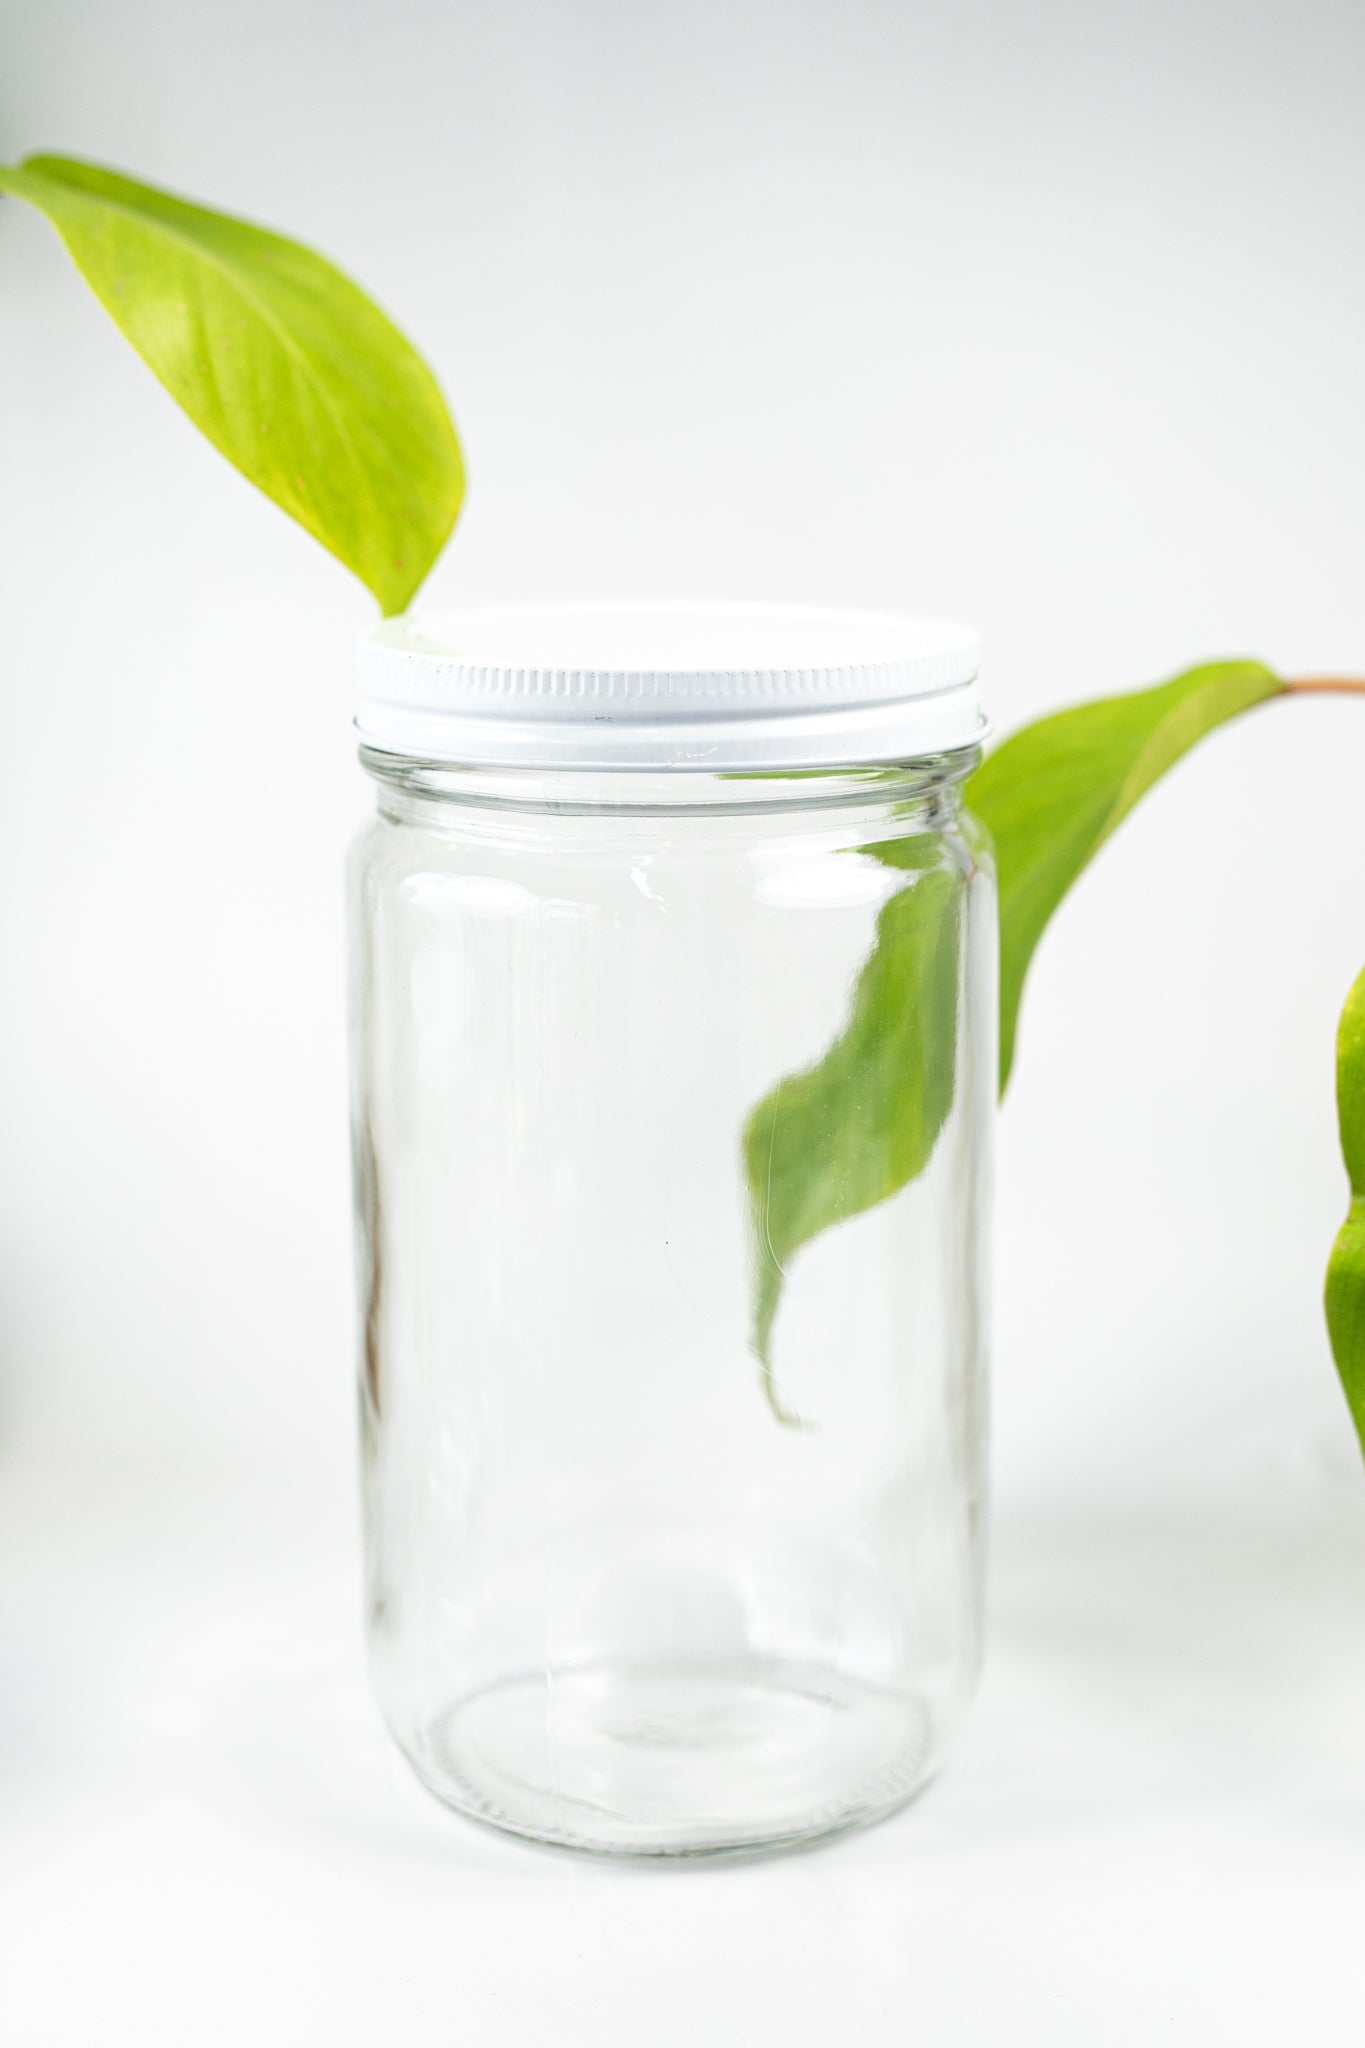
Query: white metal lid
[(699, 686)]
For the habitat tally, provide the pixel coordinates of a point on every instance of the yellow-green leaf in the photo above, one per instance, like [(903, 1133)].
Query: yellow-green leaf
[(278, 358), (1345, 1294), (1052, 794), (844, 1134)]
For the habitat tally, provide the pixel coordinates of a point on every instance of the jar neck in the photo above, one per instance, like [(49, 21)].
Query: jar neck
[(418, 790)]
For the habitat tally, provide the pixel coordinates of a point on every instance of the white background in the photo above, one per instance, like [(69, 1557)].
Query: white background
[(1046, 316)]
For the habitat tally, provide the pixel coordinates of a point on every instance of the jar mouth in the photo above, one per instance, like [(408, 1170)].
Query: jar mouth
[(676, 688), (661, 792)]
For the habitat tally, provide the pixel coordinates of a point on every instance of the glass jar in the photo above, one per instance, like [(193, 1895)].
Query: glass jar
[(674, 1011)]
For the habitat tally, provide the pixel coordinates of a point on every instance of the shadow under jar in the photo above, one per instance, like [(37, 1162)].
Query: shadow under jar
[(674, 1055)]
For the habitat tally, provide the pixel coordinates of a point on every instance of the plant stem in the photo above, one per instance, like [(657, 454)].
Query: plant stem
[(1348, 685)]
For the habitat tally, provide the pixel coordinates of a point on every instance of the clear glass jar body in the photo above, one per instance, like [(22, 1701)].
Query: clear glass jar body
[(625, 1593)]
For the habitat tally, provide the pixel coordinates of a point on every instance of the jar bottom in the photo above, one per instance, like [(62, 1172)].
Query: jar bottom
[(678, 1759)]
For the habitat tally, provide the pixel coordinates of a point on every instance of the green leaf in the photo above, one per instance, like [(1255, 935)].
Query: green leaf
[(288, 368), (1052, 794), (863, 1120), (1345, 1293)]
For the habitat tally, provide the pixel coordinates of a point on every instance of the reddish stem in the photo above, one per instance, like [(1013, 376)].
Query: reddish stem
[(1348, 685)]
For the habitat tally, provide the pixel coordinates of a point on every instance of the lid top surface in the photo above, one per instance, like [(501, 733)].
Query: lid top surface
[(672, 639)]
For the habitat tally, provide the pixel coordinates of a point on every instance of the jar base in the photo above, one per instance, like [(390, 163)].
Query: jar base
[(678, 1759)]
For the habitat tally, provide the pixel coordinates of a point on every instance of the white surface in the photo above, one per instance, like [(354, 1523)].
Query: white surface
[(666, 685), (1154, 1830), (1048, 318)]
